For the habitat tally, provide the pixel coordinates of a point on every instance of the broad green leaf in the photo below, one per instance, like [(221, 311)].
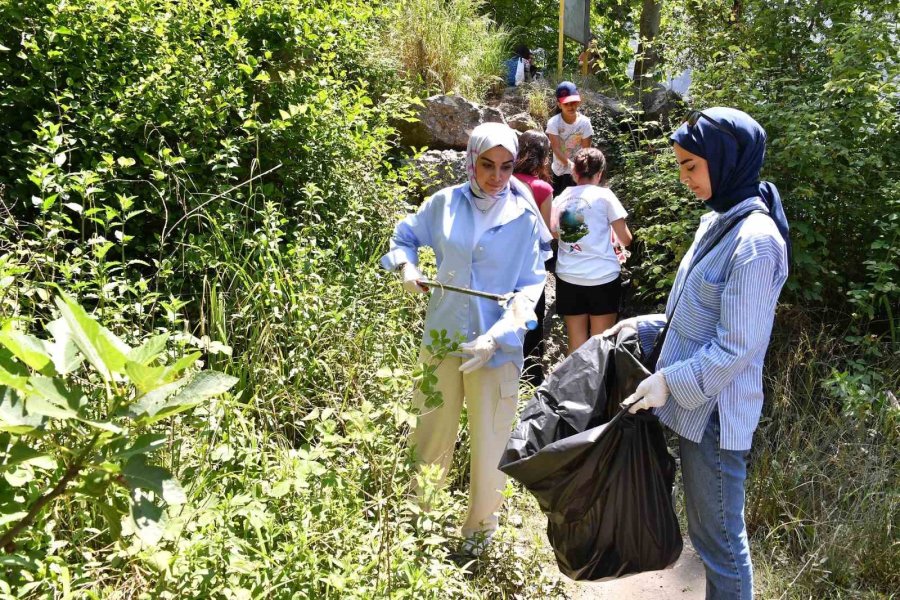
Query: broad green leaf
[(63, 351), (30, 350), (144, 377), (149, 350), (12, 413), (180, 365), (147, 518), (8, 363), (141, 476), (113, 519), (36, 404), (19, 475), (56, 391), (200, 387), (69, 402), (17, 382), (150, 403), (99, 345), (94, 483), (23, 454), (143, 444), (12, 517)]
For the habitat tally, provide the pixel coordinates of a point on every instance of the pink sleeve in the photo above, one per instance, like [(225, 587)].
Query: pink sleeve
[(542, 190)]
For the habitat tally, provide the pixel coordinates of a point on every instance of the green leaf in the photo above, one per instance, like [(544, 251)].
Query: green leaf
[(141, 476), (17, 382), (180, 365), (38, 405), (149, 350), (94, 484), (55, 390), (12, 413), (52, 398), (113, 519), (23, 454), (143, 444), (144, 377), (151, 402), (200, 387), (12, 517), (63, 351), (99, 345), (30, 350), (146, 517)]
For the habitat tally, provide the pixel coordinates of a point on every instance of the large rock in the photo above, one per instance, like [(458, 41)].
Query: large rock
[(660, 103), (445, 123), (596, 102), (523, 122), (436, 169), (512, 100)]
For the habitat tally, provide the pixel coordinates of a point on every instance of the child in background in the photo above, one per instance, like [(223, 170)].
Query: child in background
[(569, 132), (533, 169), (588, 281)]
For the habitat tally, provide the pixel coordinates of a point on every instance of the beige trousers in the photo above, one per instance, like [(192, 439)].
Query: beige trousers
[(491, 396)]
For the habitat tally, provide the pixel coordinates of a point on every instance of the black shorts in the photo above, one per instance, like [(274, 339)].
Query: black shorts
[(573, 299)]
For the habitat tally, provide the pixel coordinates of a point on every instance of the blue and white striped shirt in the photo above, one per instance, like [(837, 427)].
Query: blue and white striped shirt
[(713, 353)]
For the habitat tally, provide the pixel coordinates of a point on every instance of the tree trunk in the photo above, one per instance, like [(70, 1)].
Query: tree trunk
[(648, 58)]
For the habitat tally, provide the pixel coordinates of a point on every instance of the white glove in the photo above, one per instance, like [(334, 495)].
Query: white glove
[(630, 323), (650, 393), (411, 277), (481, 348)]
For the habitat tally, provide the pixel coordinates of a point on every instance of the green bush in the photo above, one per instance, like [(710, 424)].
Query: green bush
[(221, 173)]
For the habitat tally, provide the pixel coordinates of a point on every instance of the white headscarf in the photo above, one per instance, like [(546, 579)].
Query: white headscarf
[(490, 135), (483, 138)]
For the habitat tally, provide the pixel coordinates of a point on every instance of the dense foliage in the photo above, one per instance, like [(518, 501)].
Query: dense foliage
[(213, 182), (217, 176)]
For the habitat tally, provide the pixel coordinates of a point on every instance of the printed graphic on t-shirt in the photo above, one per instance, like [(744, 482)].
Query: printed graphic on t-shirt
[(572, 225), (572, 143)]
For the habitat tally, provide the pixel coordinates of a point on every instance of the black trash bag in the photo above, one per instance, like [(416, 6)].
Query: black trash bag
[(602, 476)]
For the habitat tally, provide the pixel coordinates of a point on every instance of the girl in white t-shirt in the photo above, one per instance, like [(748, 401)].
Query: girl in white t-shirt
[(569, 131), (588, 284)]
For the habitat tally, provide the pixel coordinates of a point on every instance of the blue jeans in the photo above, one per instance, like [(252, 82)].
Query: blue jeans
[(714, 499)]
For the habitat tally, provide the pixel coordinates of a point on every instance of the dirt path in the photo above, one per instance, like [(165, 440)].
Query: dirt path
[(684, 580)]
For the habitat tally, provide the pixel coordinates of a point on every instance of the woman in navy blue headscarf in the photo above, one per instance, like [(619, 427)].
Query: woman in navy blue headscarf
[(707, 386)]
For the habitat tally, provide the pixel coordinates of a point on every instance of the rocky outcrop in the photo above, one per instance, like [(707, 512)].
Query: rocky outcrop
[(445, 122), (511, 100), (523, 122), (436, 169), (659, 103)]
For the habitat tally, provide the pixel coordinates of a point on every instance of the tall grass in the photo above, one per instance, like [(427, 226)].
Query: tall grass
[(824, 490), (446, 46)]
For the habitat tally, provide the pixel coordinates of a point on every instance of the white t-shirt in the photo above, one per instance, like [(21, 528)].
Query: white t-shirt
[(570, 136), (582, 215)]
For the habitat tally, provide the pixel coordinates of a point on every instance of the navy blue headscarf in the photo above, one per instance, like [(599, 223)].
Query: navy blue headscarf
[(734, 161)]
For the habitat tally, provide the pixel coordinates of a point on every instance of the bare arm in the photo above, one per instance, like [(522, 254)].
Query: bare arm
[(558, 150), (622, 232)]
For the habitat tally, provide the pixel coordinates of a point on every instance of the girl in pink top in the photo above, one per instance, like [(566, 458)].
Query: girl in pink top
[(533, 168)]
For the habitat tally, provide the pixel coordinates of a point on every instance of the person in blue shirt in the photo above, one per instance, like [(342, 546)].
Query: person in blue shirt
[(708, 381), (487, 234)]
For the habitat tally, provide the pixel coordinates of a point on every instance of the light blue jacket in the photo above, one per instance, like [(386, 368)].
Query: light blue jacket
[(719, 333), (507, 258)]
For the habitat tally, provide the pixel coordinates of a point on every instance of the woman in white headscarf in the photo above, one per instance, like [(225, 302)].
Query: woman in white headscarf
[(488, 235)]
